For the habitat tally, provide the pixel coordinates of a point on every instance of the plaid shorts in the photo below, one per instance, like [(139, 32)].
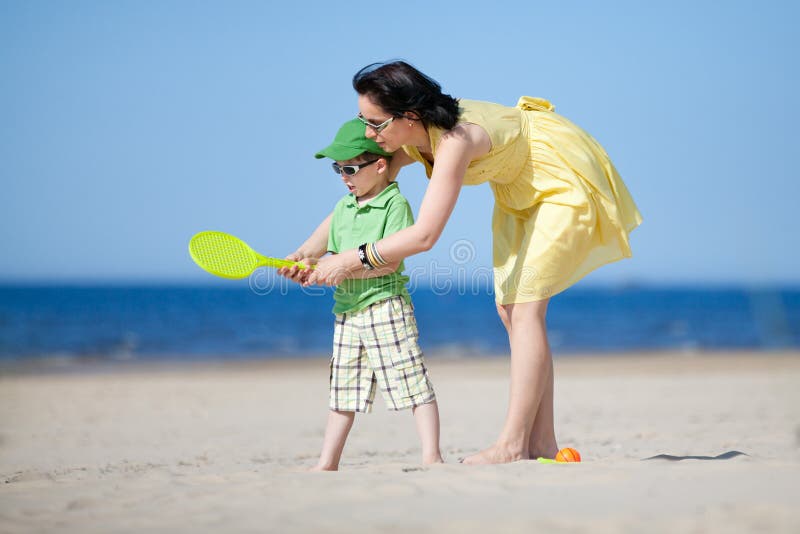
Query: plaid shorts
[(378, 346)]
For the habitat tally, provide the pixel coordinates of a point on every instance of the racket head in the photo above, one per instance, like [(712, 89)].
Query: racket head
[(223, 255)]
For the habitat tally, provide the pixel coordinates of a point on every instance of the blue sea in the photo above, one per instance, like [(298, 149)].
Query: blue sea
[(232, 321)]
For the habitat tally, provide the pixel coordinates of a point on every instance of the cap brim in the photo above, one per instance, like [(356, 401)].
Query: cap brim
[(343, 153)]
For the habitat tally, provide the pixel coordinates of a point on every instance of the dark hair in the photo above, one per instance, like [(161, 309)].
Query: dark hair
[(367, 155), (399, 88)]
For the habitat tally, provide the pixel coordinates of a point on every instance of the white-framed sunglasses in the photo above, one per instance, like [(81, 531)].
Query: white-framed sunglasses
[(350, 170), (378, 128)]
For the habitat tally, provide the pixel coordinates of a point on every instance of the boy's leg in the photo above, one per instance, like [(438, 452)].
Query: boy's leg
[(336, 431), (426, 417), (391, 341), (352, 389)]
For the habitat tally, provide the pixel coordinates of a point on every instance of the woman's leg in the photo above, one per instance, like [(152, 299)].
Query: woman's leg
[(543, 435), (543, 439), (529, 421)]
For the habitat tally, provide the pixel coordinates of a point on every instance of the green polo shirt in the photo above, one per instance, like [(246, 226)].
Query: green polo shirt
[(353, 225)]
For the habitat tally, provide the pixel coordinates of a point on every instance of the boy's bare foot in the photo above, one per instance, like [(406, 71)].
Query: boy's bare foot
[(319, 467), (495, 455), (433, 460)]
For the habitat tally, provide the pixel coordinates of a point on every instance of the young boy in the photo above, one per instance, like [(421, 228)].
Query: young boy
[(375, 336)]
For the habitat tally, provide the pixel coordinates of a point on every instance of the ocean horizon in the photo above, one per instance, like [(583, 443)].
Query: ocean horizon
[(117, 321)]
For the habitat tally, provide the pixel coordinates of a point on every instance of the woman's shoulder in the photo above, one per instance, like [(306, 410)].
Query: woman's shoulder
[(501, 123)]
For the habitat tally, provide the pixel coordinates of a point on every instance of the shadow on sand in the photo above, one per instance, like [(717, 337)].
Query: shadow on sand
[(724, 456)]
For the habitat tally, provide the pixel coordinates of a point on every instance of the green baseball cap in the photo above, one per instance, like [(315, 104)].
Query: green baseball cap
[(350, 142)]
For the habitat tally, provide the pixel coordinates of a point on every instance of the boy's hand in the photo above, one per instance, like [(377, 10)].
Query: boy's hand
[(294, 273)]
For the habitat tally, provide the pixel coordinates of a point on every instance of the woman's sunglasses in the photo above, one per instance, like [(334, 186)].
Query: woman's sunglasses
[(350, 170), (377, 128)]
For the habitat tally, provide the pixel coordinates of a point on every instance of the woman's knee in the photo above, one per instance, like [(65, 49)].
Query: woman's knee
[(503, 313), (527, 312)]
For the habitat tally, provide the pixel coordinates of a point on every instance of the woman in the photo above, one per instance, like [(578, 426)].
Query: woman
[(561, 210)]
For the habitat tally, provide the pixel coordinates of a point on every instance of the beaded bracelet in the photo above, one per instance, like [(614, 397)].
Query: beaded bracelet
[(362, 255)]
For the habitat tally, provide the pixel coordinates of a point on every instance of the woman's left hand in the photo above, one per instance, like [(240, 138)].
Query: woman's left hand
[(330, 271)]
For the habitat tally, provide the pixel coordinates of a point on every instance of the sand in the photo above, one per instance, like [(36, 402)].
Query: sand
[(224, 448)]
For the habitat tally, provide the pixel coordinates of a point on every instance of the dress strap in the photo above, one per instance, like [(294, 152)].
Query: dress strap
[(532, 103)]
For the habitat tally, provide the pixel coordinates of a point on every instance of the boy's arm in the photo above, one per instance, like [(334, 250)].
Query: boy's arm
[(317, 244), (309, 252)]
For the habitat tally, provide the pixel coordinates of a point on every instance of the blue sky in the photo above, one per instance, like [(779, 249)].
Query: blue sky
[(129, 126)]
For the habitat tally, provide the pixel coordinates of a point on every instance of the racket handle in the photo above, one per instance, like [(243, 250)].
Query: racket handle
[(277, 263)]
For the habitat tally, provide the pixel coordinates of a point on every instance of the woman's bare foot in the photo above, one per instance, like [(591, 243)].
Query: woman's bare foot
[(548, 451), (495, 455)]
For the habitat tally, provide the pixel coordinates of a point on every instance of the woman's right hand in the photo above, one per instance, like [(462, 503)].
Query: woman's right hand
[(294, 273)]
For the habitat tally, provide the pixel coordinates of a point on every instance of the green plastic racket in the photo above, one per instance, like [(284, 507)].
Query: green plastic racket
[(228, 256)]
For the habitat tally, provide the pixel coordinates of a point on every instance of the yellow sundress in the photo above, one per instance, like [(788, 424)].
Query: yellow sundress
[(561, 209)]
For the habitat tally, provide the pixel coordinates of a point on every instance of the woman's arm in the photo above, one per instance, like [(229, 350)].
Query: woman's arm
[(364, 274), (457, 148), (399, 160)]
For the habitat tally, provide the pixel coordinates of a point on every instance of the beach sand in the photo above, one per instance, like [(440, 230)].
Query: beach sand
[(224, 448)]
